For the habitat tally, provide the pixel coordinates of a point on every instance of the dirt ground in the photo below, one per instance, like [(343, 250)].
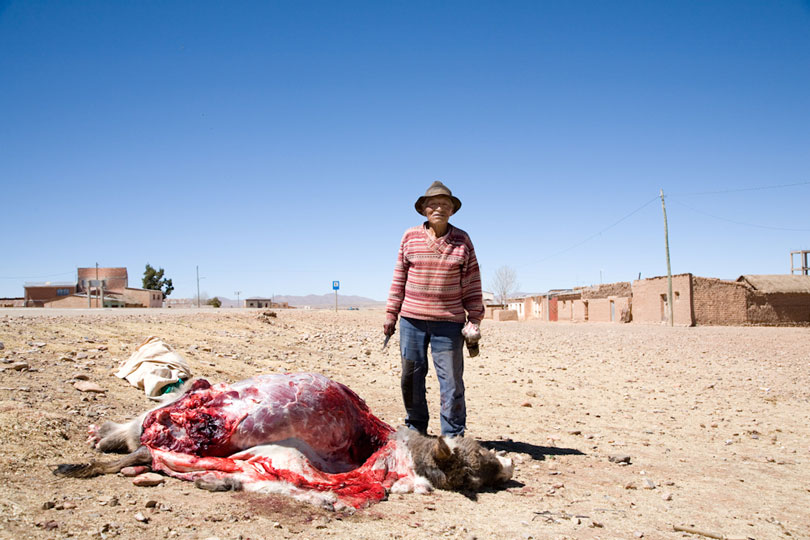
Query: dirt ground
[(714, 421)]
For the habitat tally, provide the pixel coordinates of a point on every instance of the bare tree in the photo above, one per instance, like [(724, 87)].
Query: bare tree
[(504, 283)]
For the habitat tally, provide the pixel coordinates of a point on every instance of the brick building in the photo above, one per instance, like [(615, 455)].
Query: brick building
[(94, 287), (265, 303), (36, 294), (115, 278)]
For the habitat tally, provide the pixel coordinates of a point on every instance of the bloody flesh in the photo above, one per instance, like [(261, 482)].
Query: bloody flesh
[(337, 445)]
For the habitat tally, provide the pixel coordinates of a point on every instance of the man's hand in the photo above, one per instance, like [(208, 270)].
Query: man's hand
[(471, 332), (390, 325)]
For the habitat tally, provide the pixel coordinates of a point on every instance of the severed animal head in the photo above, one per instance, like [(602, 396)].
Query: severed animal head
[(458, 464)]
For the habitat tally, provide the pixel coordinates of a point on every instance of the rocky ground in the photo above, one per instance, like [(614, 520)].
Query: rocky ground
[(617, 431)]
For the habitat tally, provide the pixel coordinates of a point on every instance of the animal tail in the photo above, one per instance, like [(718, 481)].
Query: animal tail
[(141, 456)]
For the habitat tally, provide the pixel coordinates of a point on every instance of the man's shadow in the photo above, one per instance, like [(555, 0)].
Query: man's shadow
[(534, 451)]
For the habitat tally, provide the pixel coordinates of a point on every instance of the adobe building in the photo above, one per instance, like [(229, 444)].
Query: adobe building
[(610, 302), (752, 299), (650, 300), (777, 299), (564, 303)]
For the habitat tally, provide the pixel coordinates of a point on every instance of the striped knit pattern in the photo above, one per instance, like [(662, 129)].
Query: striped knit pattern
[(436, 280)]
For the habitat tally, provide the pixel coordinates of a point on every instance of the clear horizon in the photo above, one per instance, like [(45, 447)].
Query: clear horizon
[(280, 146)]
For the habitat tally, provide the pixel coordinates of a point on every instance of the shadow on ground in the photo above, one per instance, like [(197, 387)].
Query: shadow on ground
[(532, 450)]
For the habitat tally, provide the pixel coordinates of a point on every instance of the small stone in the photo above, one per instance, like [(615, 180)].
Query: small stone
[(80, 377), (148, 480), (47, 505), (667, 496), (2, 346), (619, 458), (629, 485), (597, 524), (649, 484), (19, 366), (81, 356), (526, 404), (87, 386), (130, 472), (151, 503), (638, 534), (276, 525), (142, 518)]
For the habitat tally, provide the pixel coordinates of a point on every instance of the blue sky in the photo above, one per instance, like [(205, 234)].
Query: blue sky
[(281, 145)]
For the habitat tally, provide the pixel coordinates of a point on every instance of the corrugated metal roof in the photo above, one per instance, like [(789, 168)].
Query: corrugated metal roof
[(777, 283), (50, 284)]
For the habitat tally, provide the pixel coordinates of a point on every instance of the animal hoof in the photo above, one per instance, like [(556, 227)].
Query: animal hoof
[(217, 484)]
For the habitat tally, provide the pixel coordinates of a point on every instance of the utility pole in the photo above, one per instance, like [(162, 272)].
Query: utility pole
[(198, 285), (669, 268), (237, 293)]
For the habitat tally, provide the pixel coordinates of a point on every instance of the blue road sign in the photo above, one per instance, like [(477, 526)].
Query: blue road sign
[(335, 285)]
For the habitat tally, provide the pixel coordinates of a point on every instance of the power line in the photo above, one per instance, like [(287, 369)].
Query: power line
[(738, 222), (737, 190), (594, 235)]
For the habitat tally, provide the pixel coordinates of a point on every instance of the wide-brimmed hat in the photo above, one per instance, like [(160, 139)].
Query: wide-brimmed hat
[(436, 188)]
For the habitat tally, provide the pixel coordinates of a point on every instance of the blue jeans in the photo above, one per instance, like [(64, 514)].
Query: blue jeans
[(446, 348)]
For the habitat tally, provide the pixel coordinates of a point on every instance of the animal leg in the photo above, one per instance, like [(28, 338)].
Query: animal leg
[(226, 483), (141, 456)]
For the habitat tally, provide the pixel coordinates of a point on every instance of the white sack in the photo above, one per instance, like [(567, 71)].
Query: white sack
[(153, 366)]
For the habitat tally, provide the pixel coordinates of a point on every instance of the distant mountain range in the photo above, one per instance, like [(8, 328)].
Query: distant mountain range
[(327, 300), (312, 300)]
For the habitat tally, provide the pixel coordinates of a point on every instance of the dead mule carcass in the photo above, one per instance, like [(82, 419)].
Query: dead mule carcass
[(298, 434)]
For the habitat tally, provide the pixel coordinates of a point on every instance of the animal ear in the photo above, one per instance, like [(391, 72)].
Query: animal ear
[(441, 451)]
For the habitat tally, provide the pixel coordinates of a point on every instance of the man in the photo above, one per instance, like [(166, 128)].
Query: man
[(436, 290)]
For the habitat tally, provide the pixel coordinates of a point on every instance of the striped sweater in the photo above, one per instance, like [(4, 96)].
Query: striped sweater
[(436, 280)]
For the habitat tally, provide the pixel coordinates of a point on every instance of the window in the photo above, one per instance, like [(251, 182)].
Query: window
[(62, 292)]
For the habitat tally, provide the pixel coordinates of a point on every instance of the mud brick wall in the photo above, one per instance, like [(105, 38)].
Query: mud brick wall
[(579, 308), (565, 310), (599, 309), (790, 308), (648, 305), (505, 315), (717, 301), (620, 288)]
